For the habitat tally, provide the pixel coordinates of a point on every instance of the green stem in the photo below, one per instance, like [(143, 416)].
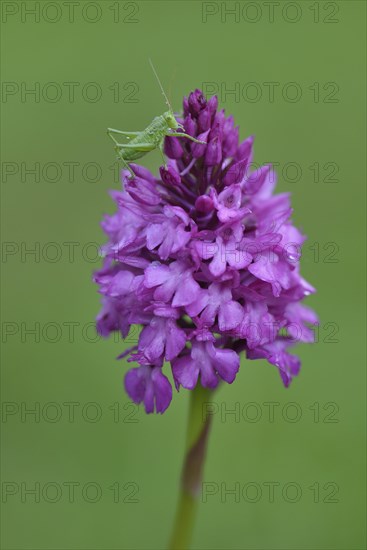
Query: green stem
[(197, 436)]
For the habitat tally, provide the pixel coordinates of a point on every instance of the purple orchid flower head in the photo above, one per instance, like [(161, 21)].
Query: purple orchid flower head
[(206, 259)]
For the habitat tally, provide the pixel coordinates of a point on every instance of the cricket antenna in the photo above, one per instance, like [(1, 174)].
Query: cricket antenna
[(160, 85)]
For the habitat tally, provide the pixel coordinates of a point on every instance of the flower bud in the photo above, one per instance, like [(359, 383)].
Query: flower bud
[(197, 102), (204, 204), (173, 148), (169, 175)]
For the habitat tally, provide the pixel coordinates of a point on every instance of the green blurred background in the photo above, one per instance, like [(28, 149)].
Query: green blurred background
[(140, 456)]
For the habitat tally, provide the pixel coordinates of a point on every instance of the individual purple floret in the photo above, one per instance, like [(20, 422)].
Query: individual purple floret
[(206, 259)]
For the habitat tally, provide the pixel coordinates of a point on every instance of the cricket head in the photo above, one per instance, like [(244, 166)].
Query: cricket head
[(171, 121)]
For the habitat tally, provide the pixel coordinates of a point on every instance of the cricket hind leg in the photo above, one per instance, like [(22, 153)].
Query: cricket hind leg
[(161, 149), (127, 166), (138, 147), (128, 152), (128, 135)]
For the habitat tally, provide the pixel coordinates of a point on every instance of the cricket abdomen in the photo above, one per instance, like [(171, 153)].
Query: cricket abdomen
[(154, 133)]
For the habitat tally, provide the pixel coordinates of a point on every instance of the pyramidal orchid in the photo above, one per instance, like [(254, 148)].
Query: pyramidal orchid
[(206, 259)]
